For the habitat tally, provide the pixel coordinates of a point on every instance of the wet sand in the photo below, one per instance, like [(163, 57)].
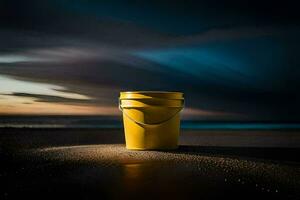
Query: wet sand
[(86, 164)]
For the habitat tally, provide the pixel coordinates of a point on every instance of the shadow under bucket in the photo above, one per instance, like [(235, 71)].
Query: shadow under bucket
[(151, 119)]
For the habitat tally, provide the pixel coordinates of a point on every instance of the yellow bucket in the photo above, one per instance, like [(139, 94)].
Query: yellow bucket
[(151, 119)]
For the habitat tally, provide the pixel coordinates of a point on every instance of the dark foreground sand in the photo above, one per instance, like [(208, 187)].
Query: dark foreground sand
[(94, 164)]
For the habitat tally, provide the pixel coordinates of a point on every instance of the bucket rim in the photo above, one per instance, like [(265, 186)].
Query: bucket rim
[(150, 91), (151, 94)]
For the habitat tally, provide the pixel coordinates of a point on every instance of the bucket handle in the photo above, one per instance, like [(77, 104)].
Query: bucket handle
[(152, 124)]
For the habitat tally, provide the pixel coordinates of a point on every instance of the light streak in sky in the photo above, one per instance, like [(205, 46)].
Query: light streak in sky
[(10, 86)]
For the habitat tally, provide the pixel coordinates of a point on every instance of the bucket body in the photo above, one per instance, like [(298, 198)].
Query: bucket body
[(151, 119)]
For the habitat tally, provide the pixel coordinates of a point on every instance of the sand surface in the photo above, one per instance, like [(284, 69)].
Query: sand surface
[(77, 168)]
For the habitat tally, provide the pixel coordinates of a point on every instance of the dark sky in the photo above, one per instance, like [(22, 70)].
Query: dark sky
[(234, 60)]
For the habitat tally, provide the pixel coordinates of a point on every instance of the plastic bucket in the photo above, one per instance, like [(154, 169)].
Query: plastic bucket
[(151, 119)]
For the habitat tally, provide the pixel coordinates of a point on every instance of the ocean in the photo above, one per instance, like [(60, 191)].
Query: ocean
[(107, 122)]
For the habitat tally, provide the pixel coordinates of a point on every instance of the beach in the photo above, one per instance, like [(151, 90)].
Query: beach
[(94, 163)]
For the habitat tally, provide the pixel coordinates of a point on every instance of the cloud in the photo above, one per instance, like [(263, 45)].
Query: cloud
[(9, 85), (63, 59), (49, 98)]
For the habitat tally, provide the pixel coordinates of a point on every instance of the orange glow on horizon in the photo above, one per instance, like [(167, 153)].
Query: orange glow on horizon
[(10, 105)]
